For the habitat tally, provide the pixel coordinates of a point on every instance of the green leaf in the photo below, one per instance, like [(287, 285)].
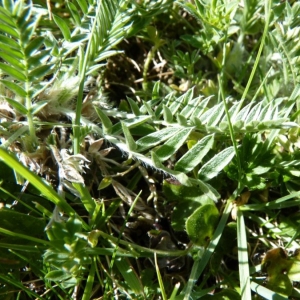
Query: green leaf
[(83, 5), (36, 107), (128, 137), (63, 26), (33, 46), (9, 42), (106, 122), (75, 13), (173, 144), (12, 72), (212, 168), (14, 62), (17, 53), (9, 31), (181, 177), (129, 275), (156, 138), (168, 116), (194, 156), (200, 226), (15, 88), (40, 72), (134, 107), (105, 182), (57, 275), (17, 105), (187, 199)]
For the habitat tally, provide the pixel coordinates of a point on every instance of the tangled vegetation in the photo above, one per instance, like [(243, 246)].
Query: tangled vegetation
[(149, 149)]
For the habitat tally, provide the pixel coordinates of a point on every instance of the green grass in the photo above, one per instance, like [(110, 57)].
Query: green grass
[(149, 149)]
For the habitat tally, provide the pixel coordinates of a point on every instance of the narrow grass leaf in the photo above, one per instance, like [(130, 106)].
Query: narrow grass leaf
[(129, 275), (160, 280), (194, 156), (264, 292), (63, 26), (243, 257), (19, 285), (88, 290), (173, 144), (15, 88), (212, 168), (36, 181)]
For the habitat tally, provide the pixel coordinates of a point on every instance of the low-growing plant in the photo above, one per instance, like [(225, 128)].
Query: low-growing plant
[(149, 149)]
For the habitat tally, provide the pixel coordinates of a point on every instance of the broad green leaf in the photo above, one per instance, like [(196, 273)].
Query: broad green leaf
[(15, 88), (194, 156), (63, 26), (17, 105), (187, 199), (156, 138), (12, 72), (200, 226), (131, 144), (173, 144), (212, 168), (106, 122)]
